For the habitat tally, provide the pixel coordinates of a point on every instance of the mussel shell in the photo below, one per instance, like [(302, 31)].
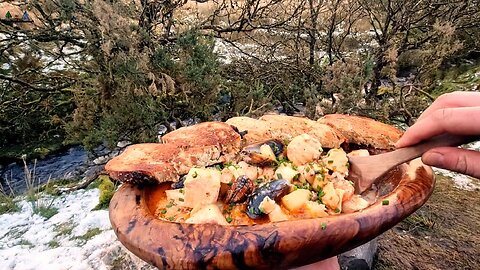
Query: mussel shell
[(253, 155), (179, 183), (275, 190), (240, 189), (277, 146)]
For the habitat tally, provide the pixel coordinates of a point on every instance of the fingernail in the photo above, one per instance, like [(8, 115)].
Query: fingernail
[(433, 158)]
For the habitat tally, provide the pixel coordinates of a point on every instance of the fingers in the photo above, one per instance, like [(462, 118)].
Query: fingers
[(452, 100), (454, 159), (459, 121)]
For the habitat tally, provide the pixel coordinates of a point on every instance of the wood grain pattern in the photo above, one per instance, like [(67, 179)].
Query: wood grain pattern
[(279, 245)]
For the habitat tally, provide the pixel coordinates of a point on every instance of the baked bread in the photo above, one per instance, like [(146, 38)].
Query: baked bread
[(210, 143), (284, 128), (363, 131), (203, 144)]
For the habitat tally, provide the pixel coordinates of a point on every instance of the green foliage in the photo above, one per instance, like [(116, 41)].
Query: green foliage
[(89, 234), (107, 189), (53, 244), (7, 204), (45, 211), (63, 229)]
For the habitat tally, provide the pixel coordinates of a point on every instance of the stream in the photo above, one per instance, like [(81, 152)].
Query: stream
[(64, 165)]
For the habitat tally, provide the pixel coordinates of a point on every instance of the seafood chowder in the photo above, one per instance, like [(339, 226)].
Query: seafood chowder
[(270, 181)]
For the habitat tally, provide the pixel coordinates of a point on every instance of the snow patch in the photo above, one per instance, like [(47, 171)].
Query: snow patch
[(30, 241)]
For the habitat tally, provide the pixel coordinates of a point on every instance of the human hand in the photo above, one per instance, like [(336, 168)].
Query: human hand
[(455, 113)]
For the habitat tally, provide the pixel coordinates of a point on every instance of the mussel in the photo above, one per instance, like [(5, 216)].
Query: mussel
[(179, 183), (239, 190), (264, 153), (275, 190)]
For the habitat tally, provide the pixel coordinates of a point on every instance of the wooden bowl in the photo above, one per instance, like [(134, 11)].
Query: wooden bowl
[(267, 246)]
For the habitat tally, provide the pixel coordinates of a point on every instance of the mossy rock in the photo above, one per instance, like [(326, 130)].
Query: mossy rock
[(107, 189)]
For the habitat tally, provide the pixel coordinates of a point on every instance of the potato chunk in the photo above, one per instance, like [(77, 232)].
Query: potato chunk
[(287, 172), (316, 209), (337, 161), (296, 199), (304, 149), (207, 214), (202, 186)]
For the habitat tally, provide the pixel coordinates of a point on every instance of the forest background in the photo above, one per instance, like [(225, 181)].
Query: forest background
[(98, 72)]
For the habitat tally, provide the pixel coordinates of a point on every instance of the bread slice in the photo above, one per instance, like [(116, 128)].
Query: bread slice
[(287, 127), (256, 130), (201, 145), (363, 131)]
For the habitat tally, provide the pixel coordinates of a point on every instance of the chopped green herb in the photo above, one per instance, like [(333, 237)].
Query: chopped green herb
[(230, 183), (295, 178), (230, 207), (171, 218), (218, 167), (170, 204), (295, 187), (164, 211), (194, 174), (181, 199), (279, 176), (228, 219), (261, 210), (321, 193), (385, 202), (258, 181), (330, 161), (324, 226), (181, 190), (337, 210)]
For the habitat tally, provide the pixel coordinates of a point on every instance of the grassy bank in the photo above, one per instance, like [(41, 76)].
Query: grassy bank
[(443, 234)]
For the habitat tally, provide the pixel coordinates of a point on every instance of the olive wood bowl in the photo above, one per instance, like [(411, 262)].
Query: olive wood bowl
[(280, 245)]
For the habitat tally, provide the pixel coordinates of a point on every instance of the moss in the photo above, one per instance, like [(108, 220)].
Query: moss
[(45, 211), (53, 244), (52, 187), (64, 229), (107, 189), (89, 234), (24, 242)]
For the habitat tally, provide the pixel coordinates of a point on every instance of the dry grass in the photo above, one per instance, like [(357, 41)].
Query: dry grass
[(443, 234)]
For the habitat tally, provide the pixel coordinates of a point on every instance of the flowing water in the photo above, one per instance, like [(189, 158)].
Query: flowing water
[(64, 165)]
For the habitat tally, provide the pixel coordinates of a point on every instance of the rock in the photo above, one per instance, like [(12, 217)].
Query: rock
[(359, 258)]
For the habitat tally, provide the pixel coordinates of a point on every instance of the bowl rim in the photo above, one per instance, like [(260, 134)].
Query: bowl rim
[(277, 245)]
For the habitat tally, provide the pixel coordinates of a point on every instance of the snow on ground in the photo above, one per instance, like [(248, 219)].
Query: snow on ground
[(460, 180), (77, 237)]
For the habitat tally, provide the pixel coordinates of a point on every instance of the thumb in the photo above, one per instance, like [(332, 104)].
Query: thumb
[(454, 159)]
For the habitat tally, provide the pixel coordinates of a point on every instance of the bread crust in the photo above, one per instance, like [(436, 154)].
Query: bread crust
[(363, 131), (285, 128), (210, 143), (203, 144)]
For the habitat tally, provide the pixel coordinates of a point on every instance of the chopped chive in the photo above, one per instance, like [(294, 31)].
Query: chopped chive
[(385, 202), (330, 161), (181, 199), (337, 210), (194, 174), (228, 219), (171, 218), (279, 176), (164, 211), (181, 190), (307, 169), (324, 226)]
